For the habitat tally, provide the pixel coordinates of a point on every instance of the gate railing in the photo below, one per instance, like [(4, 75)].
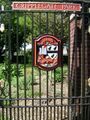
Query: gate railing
[(29, 93)]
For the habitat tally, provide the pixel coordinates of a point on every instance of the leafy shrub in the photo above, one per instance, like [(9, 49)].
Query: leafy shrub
[(11, 70), (25, 84), (61, 73)]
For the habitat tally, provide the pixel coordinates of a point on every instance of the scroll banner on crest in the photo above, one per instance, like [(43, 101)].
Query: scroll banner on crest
[(47, 52), (46, 6)]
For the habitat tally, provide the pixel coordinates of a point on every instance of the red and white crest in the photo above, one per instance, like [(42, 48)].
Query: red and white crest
[(47, 52)]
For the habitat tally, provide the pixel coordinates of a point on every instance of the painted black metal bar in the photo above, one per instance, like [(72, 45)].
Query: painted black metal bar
[(9, 62), (51, 113), (25, 56), (9, 54), (40, 83), (47, 90), (86, 60), (75, 63), (75, 47), (4, 111), (83, 55), (54, 71), (29, 113), (22, 113), (69, 80), (7, 113), (25, 91), (40, 93), (32, 18), (17, 62), (43, 113), (14, 114), (62, 31), (22, 99), (71, 105), (54, 92), (58, 113), (47, 73), (17, 42), (88, 110), (83, 63)]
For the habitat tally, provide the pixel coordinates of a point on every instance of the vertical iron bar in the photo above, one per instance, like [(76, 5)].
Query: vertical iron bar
[(9, 63), (83, 59), (40, 93), (62, 30), (17, 77), (9, 55), (29, 113), (58, 113), (25, 61), (43, 113), (22, 113), (54, 72), (75, 85), (32, 67), (86, 72), (14, 113), (6, 110), (47, 22), (17, 57), (87, 107), (47, 71), (63, 107), (50, 113), (54, 92), (39, 69), (88, 110), (36, 113), (6, 77), (2, 113), (47, 93), (82, 64), (69, 80)]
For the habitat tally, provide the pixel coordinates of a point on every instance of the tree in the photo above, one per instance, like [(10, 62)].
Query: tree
[(14, 33), (20, 27)]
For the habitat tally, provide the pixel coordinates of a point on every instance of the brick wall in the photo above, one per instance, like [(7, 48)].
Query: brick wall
[(75, 56)]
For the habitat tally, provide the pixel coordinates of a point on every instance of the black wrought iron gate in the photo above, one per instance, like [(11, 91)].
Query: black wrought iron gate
[(29, 93)]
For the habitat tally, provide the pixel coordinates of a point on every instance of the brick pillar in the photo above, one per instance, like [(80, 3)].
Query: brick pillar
[(75, 57), (75, 65)]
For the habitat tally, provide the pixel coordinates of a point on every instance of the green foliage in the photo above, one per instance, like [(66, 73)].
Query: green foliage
[(61, 73), (14, 71), (29, 57), (21, 26), (1, 67), (3, 117), (6, 3), (18, 80), (25, 83), (7, 74)]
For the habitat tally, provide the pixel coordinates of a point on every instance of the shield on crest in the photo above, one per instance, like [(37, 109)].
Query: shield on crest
[(47, 52)]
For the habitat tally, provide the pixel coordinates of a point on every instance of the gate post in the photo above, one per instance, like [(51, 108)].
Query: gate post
[(79, 63)]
